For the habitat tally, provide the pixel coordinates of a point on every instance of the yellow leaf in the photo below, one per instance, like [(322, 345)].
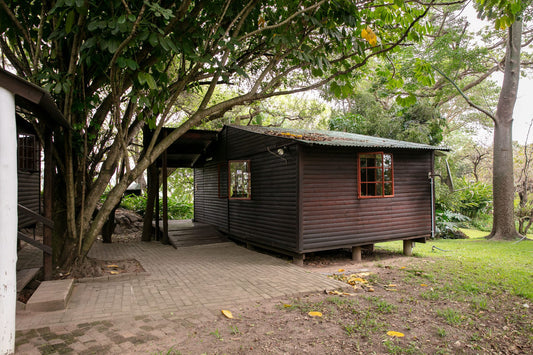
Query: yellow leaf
[(335, 293), (112, 265), (113, 272), (315, 314), (364, 33), (227, 314), (341, 270), (391, 285), (369, 35), (403, 267), (370, 289), (423, 285), (393, 333), (287, 305)]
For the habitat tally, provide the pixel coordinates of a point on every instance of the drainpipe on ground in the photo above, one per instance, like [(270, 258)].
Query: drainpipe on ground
[(8, 222)]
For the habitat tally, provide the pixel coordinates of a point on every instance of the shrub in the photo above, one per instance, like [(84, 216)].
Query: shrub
[(448, 223)]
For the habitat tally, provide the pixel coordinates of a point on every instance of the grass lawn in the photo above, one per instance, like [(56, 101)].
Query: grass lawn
[(480, 264)]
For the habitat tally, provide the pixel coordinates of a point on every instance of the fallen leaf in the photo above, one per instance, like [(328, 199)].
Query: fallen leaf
[(370, 289), (341, 270), (335, 293), (403, 267), (111, 266), (315, 314), (113, 272), (393, 333), (227, 314), (391, 285), (286, 305), (423, 285)]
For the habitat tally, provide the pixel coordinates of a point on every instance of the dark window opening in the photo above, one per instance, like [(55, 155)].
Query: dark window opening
[(29, 154)]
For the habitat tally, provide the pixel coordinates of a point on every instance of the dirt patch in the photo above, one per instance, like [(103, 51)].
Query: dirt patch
[(395, 294), (95, 268)]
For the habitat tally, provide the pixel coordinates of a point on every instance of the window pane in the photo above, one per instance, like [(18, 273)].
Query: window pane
[(239, 179), (378, 160), (364, 190), (378, 176), (388, 189), (387, 160), (387, 175), (379, 190)]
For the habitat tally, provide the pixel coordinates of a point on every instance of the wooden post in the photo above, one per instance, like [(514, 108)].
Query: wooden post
[(148, 218), (356, 254), (408, 247), (157, 209), (8, 222), (165, 197), (47, 195)]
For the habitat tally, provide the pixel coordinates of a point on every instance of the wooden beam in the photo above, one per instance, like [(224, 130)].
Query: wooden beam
[(165, 197), (45, 248), (47, 203), (38, 218)]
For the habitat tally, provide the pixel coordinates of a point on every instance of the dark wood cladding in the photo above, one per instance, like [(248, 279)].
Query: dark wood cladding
[(334, 217), (270, 218), (306, 199), (29, 190)]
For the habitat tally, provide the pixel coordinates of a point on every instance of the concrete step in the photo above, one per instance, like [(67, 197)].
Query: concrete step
[(25, 276), (51, 296)]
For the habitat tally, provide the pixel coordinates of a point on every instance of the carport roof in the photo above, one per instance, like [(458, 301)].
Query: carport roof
[(187, 149)]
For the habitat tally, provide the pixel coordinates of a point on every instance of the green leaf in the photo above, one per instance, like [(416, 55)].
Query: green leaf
[(70, 21), (57, 88), (151, 81), (153, 39)]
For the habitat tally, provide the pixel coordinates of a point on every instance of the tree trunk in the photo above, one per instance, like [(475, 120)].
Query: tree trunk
[(503, 227), (109, 227), (153, 186)]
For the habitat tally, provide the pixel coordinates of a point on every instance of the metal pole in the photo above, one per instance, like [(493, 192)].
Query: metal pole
[(8, 221)]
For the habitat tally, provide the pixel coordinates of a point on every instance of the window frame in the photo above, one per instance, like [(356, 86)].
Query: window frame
[(381, 182), (249, 192), (28, 153)]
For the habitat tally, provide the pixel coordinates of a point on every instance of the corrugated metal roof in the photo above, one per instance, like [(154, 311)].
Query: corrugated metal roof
[(336, 139)]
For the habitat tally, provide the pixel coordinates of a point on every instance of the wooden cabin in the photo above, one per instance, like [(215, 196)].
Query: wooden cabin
[(300, 191), (28, 171), (34, 104)]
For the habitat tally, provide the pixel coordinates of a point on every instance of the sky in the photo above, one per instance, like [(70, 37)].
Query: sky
[(523, 113)]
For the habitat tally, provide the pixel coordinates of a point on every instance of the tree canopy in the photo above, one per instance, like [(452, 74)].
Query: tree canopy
[(114, 66)]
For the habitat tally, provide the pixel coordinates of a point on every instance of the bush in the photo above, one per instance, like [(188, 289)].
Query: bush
[(448, 224), (470, 198), (176, 209)]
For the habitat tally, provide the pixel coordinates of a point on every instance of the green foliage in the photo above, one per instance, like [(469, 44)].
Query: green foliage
[(469, 198), (180, 196), (448, 224), (418, 123)]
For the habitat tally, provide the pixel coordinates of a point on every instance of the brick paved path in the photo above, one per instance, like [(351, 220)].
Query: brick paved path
[(194, 282)]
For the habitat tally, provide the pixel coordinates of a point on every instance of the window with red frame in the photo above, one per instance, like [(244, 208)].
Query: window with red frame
[(376, 177)]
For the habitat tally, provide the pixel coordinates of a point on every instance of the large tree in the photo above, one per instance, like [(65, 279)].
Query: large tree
[(114, 66)]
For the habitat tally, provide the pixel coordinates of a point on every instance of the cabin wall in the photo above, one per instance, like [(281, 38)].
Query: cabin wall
[(269, 218), (332, 214), (28, 195)]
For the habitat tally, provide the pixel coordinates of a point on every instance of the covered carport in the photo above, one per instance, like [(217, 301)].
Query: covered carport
[(186, 152)]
